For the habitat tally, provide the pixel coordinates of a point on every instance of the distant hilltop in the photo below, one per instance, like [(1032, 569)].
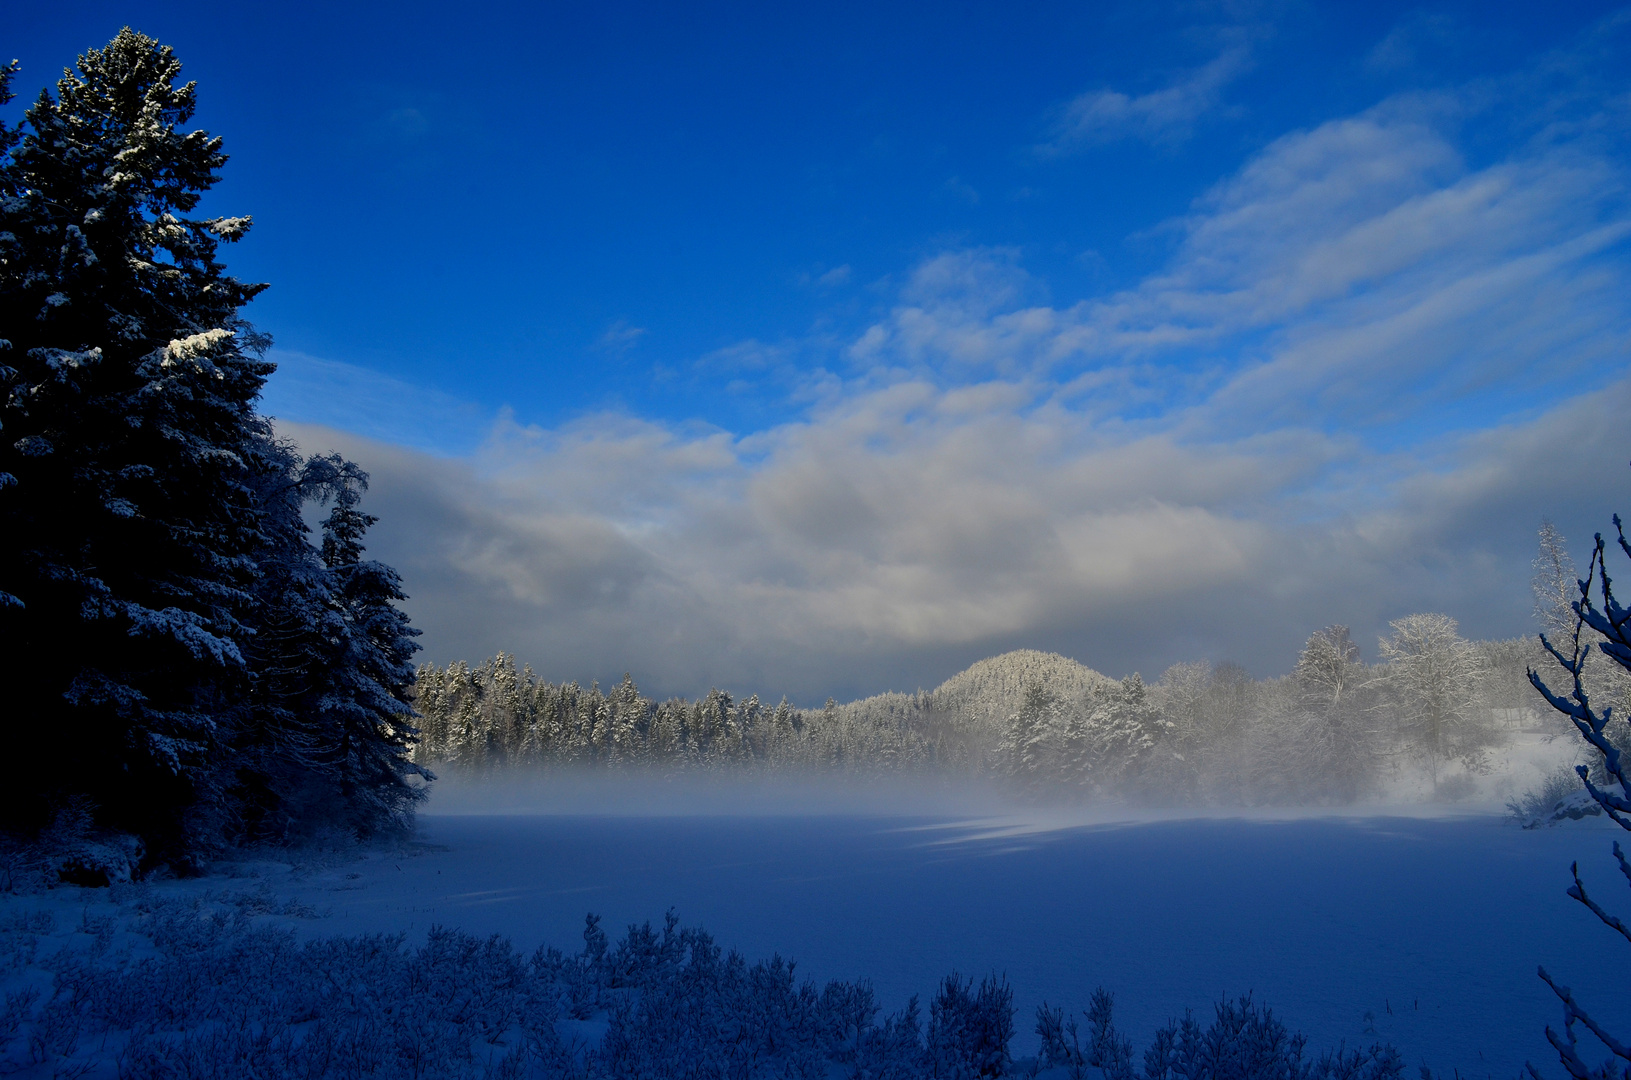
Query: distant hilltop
[(990, 691)]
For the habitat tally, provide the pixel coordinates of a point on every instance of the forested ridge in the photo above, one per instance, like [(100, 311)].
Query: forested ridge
[(1330, 731)]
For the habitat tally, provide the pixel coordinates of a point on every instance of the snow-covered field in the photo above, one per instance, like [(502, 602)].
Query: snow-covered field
[(1418, 928)]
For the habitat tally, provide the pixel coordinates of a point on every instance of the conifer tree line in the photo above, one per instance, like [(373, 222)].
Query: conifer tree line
[(190, 663), (1335, 729)]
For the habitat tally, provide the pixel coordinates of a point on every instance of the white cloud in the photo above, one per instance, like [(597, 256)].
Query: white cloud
[(1417, 32), (961, 190), (620, 337), (1366, 372), (1161, 116), (1358, 273), (889, 542)]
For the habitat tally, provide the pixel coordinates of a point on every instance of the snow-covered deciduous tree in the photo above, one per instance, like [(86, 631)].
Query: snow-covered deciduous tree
[(1328, 669), (1610, 625), (1556, 587), (1555, 584), (1339, 733), (1433, 677), (1183, 695)]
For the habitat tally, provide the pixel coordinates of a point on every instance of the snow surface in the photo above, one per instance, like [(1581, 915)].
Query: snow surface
[(1325, 919), (1439, 916), (1414, 923)]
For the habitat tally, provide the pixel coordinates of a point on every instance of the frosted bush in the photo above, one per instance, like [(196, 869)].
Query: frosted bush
[(214, 993), (1552, 800), (970, 1028), (1243, 1042)]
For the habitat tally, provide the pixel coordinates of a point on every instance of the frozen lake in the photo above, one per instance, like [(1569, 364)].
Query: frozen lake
[(1433, 926)]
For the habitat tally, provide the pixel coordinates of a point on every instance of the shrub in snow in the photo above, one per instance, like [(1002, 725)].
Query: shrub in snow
[(213, 993), (74, 851), (1243, 1042), (970, 1028), (97, 863), (1558, 798)]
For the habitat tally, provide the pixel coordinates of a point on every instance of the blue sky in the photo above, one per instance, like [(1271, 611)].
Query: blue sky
[(826, 348)]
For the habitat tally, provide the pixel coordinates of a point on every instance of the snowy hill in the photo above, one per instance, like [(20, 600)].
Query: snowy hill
[(986, 694)]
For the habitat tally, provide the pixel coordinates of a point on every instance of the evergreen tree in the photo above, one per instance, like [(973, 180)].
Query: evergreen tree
[(1029, 749), (1122, 727), (366, 706), (198, 668), (324, 738), (128, 530), (273, 746)]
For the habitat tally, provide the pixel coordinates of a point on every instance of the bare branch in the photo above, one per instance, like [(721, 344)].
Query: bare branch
[(1578, 892)]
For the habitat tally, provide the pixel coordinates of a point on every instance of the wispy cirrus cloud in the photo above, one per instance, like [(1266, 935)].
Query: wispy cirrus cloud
[(315, 390), (619, 337), (1356, 274), (1416, 34), (1163, 116)]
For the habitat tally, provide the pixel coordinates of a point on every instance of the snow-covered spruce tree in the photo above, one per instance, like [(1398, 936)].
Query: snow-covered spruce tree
[(198, 668), (324, 736), (268, 745), (1114, 743), (969, 1029), (1612, 625), (127, 534), (1029, 751), (1244, 1040), (365, 706), (9, 138)]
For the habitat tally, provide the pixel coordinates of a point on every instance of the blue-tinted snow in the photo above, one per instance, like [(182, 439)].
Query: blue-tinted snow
[(1441, 919)]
